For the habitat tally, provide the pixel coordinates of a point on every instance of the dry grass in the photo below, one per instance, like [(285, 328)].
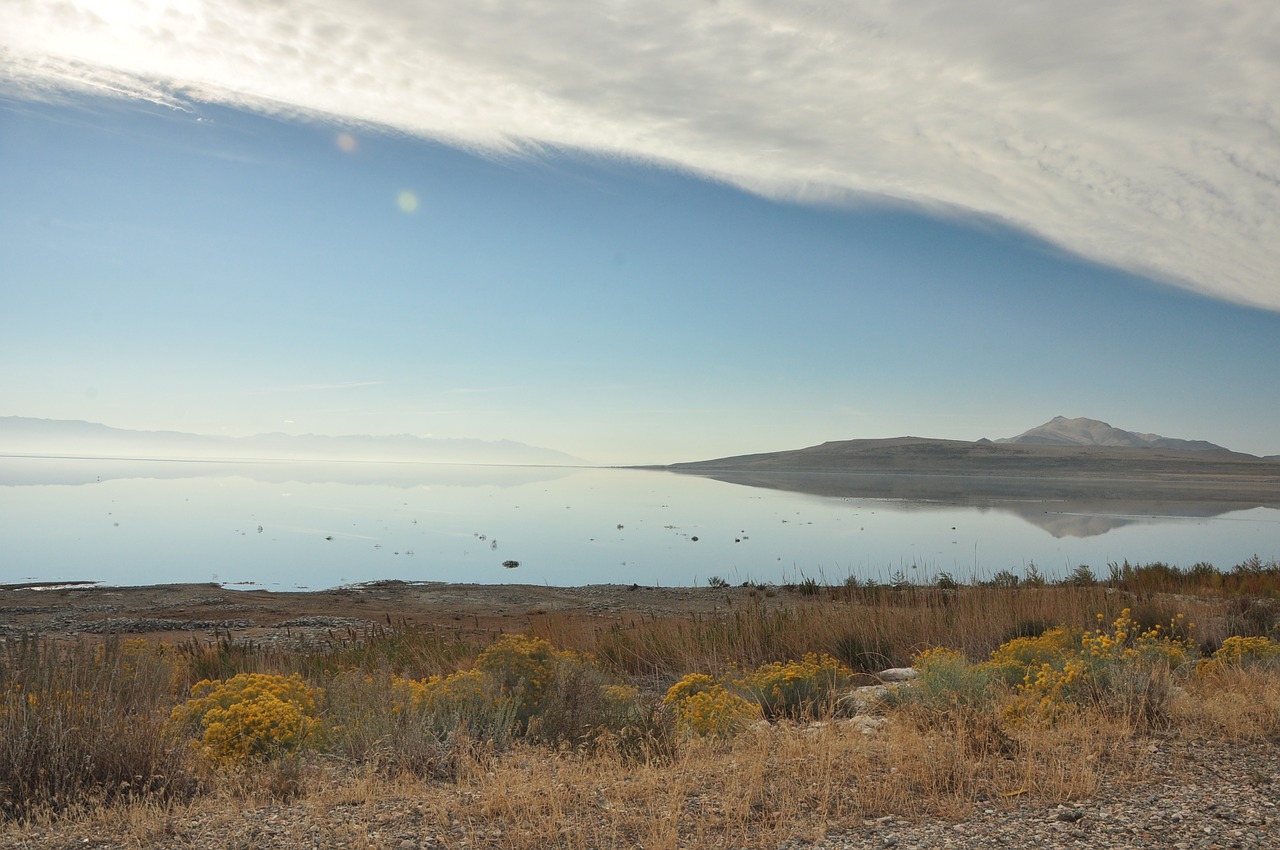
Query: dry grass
[(771, 785), (593, 772), (87, 723), (1234, 705), (871, 629)]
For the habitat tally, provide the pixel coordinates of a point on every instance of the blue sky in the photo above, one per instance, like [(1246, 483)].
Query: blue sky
[(646, 260)]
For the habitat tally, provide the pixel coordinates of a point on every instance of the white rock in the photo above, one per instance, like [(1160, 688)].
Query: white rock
[(898, 674)]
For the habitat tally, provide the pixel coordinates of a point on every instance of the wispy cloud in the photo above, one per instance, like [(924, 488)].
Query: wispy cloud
[(1143, 135), (304, 388), (475, 390)]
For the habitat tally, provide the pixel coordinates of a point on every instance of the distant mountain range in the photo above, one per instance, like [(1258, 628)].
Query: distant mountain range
[(28, 436), (1063, 459), (1061, 431)]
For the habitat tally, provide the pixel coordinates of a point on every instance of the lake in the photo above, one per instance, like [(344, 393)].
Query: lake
[(291, 526)]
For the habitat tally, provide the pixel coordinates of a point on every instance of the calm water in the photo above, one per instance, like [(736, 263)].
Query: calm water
[(289, 526)]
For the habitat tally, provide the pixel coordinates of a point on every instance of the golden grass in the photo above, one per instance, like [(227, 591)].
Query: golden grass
[(773, 783), (768, 786), (883, 625)]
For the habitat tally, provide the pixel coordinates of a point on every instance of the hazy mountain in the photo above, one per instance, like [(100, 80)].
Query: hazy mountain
[(958, 470), (1060, 431), (28, 436)]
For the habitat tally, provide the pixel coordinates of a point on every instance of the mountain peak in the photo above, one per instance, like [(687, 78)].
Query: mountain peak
[(1061, 431)]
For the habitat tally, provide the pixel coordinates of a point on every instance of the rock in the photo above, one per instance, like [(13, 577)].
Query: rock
[(866, 700), (898, 674)]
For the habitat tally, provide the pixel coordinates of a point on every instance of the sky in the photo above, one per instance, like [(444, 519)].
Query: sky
[(642, 232)]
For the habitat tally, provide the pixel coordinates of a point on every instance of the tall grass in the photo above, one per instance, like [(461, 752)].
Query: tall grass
[(866, 629), (571, 745), (85, 723)]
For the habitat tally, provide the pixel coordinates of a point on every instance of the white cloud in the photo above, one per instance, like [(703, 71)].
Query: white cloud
[(303, 388), (1144, 135)]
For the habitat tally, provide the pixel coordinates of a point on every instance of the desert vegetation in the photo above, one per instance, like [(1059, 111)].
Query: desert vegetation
[(762, 724)]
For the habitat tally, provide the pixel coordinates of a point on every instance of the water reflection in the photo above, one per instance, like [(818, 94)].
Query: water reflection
[(1061, 507), (15, 471), (294, 525)]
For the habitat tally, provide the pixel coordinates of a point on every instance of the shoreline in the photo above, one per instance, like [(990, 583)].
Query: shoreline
[(180, 612)]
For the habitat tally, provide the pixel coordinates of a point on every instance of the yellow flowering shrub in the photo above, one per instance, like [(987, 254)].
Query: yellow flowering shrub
[(795, 688), (1128, 642), (440, 693), (1241, 652), (521, 666), (623, 696), (1011, 661), (691, 684), (406, 695), (704, 708), (520, 685), (251, 716), (467, 691), (1045, 692), (1124, 667)]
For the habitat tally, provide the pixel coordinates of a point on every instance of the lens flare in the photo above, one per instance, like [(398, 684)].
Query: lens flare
[(407, 201), (346, 142)]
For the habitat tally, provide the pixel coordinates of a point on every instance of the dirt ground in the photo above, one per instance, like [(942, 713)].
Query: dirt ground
[(179, 612)]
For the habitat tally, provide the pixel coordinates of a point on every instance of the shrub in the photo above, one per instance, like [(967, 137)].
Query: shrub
[(1238, 652), (579, 703), (1124, 670), (947, 680), (957, 697), (399, 725), (520, 685), (1011, 661), (694, 683), (1005, 578), (795, 688), (704, 708), (521, 667), (252, 716)]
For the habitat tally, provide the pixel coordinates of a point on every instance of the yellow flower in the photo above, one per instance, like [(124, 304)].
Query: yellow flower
[(251, 716)]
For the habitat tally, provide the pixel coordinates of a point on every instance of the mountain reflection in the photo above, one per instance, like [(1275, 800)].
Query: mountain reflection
[(1061, 507), (34, 471)]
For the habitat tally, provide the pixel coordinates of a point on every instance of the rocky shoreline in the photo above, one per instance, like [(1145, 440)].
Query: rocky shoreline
[(175, 612)]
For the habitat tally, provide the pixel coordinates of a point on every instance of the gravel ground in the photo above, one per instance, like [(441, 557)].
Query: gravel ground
[(1200, 797), (1197, 797)]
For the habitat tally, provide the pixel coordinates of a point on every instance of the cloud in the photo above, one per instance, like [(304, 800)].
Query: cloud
[(476, 390), (1142, 135), (303, 388)]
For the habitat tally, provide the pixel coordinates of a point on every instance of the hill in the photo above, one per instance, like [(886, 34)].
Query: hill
[(21, 435), (961, 471), (1061, 431)]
